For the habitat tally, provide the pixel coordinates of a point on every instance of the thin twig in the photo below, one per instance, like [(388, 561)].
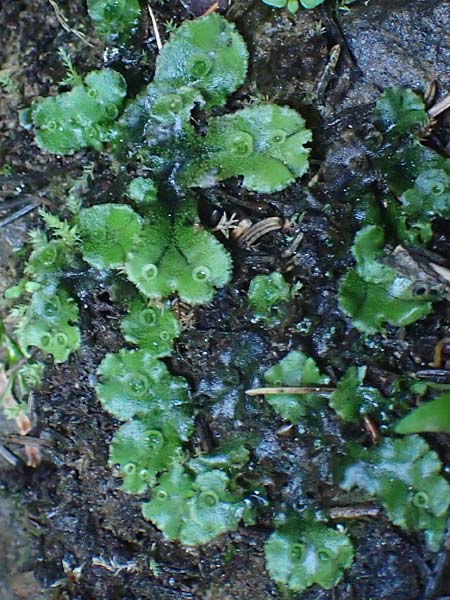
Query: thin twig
[(114, 566), (13, 203), (438, 350), (9, 456), (263, 391), (443, 272), (371, 429), (259, 229), (27, 441), (333, 58), (430, 94), (18, 214), (155, 28), (65, 25), (16, 367), (294, 245), (353, 512), (435, 375), (439, 107), (211, 9)]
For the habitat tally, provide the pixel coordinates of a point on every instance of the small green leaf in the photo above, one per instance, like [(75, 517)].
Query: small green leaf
[(143, 192), (207, 54), (296, 369), (46, 261), (133, 382), (213, 510), (404, 475), (265, 144), (151, 328), (429, 197), (174, 255), (108, 232), (59, 340), (352, 399), (400, 111), (194, 511), (302, 553), (231, 456), (311, 3), (143, 448), (375, 293), (81, 117), (432, 416), (169, 504), (276, 3), (158, 119), (368, 247), (114, 20), (371, 305), (48, 324), (293, 5), (268, 298)]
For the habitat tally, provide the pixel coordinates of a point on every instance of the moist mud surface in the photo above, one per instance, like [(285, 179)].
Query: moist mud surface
[(72, 534)]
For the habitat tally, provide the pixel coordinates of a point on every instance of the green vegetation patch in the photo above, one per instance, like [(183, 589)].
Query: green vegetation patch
[(114, 20), (194, 510), (400, 112), (269, 297), (301, 553), (81, 117), (152, 328), (263, 143), (133, 382), (431, 416), (108, 233), (404, 475), (175, 255), (145, 447), (374, 293), (293, 5), (170, 134), (295, 370), (352, 399), (206, 54), (47, 322)]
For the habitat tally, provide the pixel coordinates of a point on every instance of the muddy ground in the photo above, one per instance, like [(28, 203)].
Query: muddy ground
[(59, 521)]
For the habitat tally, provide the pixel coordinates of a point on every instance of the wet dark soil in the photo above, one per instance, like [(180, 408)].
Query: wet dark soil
[(88, 540)]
